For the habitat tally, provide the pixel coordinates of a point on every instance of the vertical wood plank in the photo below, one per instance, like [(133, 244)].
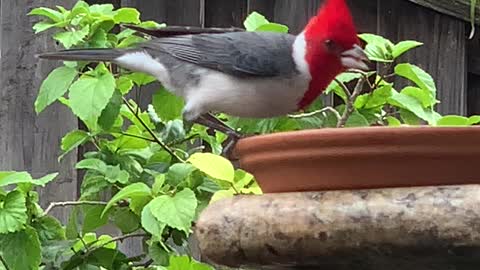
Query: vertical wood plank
[(264, 7), (443, 54), (27, 141), (473, 81), (473, 94), (295, 14), (221, 13)]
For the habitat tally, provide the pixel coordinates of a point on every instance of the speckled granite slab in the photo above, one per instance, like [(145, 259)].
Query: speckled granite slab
[(419, 228)]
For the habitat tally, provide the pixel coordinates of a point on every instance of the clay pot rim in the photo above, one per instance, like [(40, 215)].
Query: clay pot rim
[(267, 141)]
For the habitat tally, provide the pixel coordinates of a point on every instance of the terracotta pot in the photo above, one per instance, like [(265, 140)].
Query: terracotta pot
[(362, 158)]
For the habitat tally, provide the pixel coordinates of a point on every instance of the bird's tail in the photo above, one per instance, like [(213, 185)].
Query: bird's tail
[(91, 55)]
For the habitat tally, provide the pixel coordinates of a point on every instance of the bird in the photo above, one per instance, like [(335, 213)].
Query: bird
[(241, 73)]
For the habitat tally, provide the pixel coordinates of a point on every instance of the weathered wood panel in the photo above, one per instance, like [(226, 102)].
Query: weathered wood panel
[(223, 13), (27, 141), (264, 7), (456, 8), (443, 54)]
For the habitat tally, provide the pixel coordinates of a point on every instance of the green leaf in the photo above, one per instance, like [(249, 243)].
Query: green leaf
[(43, 26), (92, 186), (133, 190), (116, 175), (21, 250), (73, 140), (173, 131), (254, 21), (158, 184), (378, 98), (423, 95), (92, 164), (409, 118), (49, 229), (102, 9), (150, 223), (222, 194), (159, 255), (98, 39), (393, 122), (474, 120), (167, 105), (126, 220), (415, 106), (13, 212), (128, 42), (111, 112), (178, 211), (90, 95), (186, 263), (8, 178), (345, 77), (54, 86), (357, 120), (272, 27), (378, 48), (127, 15), (140, 78), (130, 142), (124, 84), (453, 120), (53, 15), (214, 166), (404, 46), (69, 39), (473, 8), (178, 173), (92, 218), (417, 75)]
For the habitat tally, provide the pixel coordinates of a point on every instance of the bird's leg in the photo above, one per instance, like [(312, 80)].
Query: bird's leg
[(212, 122)]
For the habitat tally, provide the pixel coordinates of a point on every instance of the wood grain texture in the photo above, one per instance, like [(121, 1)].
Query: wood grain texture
[(221, 13), (29, 142), (264, 7), (443, 54), (473, 94), (457, 8), (406, 228)]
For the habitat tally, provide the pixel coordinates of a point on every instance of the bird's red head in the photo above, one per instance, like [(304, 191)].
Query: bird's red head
[(332, 46)]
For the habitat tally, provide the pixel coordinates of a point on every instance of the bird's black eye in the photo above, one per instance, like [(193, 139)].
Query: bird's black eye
[(330, 44)]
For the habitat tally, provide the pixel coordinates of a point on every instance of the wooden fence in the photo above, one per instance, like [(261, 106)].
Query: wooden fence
[(30, 142)]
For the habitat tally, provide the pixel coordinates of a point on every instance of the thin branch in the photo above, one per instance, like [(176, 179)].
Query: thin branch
[(136, 136), (71, 203), (184, 140), (344, 87), (349, 109), (310, 114), (154, 136), (4, 263)]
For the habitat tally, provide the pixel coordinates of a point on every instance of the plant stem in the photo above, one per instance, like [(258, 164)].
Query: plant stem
[(136, 136), (154, 136), (310, 114), (4, 263), (349, 109), (71, 203)]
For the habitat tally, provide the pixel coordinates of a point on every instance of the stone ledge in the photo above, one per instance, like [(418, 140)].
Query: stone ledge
[(420, 228)]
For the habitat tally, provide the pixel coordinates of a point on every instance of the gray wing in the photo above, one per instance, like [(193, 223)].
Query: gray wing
[(254, 54)]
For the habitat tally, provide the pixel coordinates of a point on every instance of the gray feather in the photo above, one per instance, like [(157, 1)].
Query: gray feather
[(240, 54), (92, 55)]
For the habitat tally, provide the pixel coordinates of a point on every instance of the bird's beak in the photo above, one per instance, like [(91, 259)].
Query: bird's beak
[(355, 58)]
